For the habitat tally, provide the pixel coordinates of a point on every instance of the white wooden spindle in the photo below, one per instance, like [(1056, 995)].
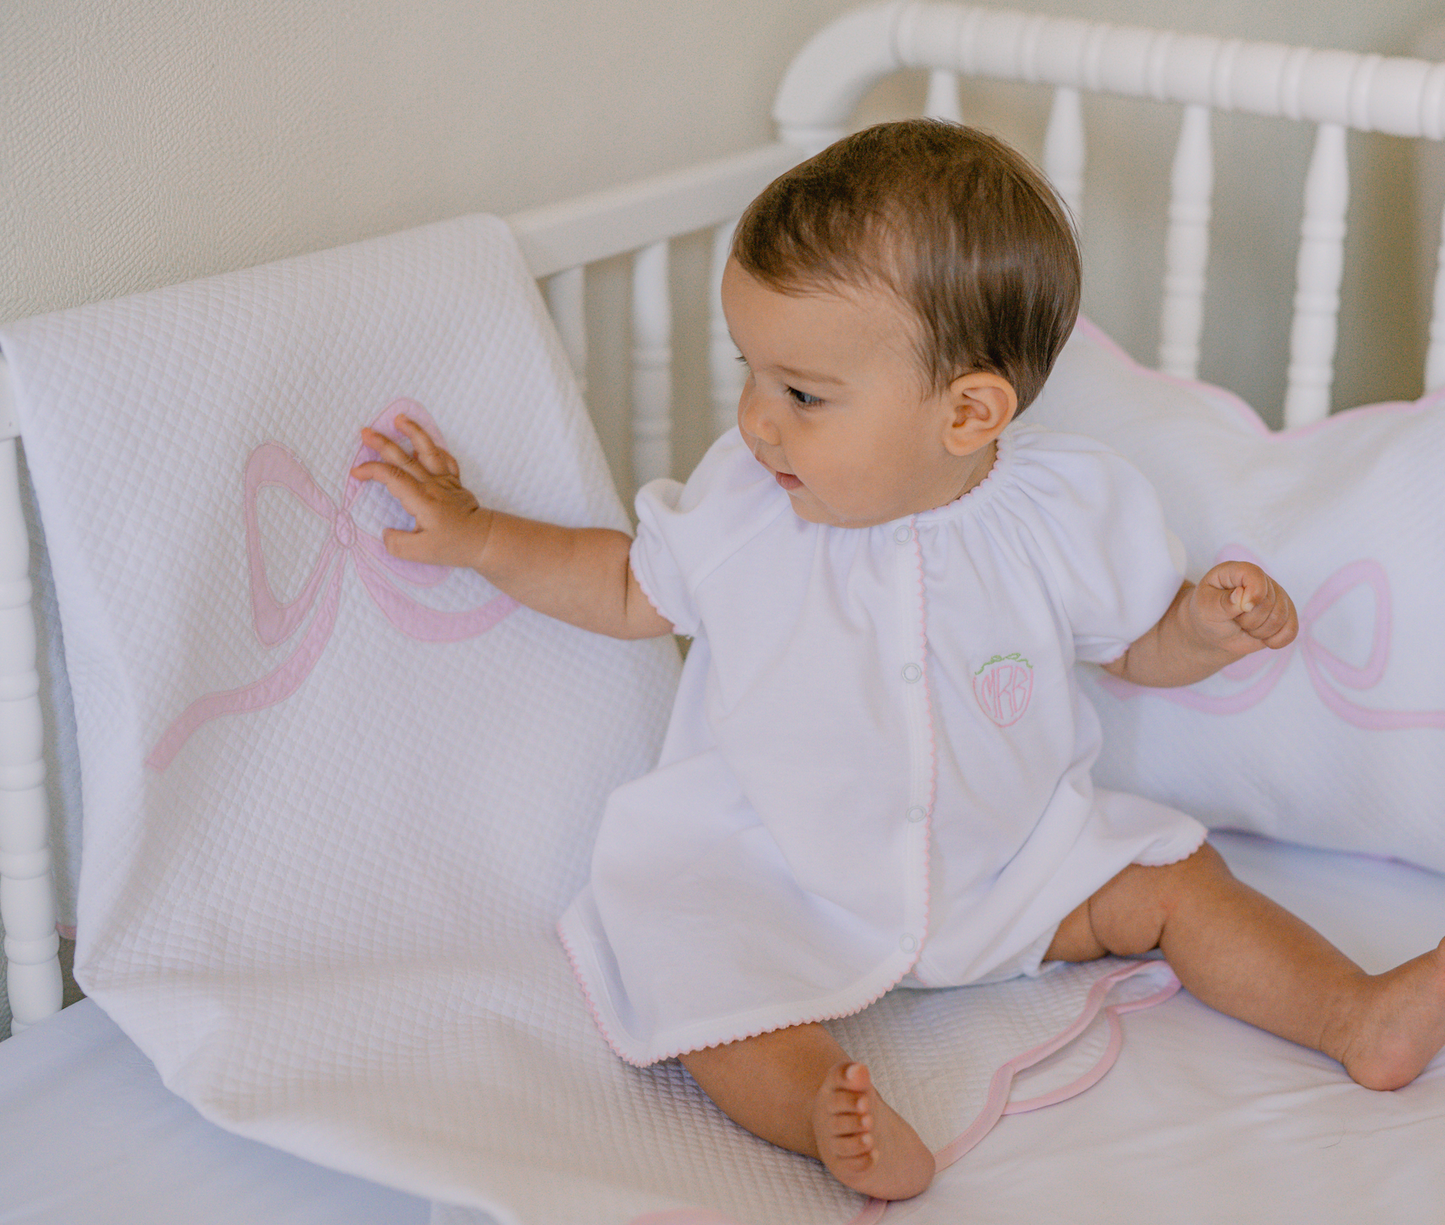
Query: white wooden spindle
[(725, 372), (1186, 250), (1435, 357), (1320, 270), (942, 99), (566, 302), (27, 892), (1064, 151), (651, 364)]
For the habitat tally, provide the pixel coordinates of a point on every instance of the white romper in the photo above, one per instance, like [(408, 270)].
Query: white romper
[(877, 767)]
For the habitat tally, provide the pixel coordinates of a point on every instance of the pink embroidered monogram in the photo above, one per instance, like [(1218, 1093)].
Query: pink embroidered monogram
[(1320, 661), (272, 464), (1003, 687)]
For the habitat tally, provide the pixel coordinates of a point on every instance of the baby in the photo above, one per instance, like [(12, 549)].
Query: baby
[(877, 770)]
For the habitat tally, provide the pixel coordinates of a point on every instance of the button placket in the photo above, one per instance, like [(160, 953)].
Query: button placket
[(913, 928)]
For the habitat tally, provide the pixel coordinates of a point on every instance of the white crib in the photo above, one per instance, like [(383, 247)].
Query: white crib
[(1333, 90)]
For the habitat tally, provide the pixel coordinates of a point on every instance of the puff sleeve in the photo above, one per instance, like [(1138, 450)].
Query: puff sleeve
[(1117, 564), (684, 532)]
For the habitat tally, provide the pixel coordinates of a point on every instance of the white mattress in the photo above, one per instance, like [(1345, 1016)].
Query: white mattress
[(1203, 1119)]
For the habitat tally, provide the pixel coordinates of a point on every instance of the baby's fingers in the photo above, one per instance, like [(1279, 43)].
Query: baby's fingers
[(433, 458), (1260, 607), (401, 485), (1271, 619)]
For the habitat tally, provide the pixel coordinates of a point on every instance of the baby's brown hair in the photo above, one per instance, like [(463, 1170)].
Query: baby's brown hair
[(958, 225)]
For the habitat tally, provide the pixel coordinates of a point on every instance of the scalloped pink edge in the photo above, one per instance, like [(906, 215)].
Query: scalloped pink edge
[(997, 1104)]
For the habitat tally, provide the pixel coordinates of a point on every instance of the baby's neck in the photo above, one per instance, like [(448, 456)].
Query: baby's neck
[(980, 464)]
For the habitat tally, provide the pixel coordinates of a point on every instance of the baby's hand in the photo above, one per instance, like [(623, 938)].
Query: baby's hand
[(451, 527), (1239, 608)]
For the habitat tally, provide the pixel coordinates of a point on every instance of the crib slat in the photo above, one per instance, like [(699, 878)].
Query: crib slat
[(27, 892), (725, 372), (1186, 251), (566, 296), (1435, 357), (1320, 271), (1064, 151), (651, 364), (942, 99)]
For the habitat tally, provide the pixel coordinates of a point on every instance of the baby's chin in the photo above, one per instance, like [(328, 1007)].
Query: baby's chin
[(811, 511)]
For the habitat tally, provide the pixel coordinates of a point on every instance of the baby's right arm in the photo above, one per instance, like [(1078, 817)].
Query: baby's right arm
[(578, 575)]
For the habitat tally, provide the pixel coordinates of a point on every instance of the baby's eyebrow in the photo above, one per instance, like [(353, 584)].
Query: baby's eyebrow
[(809, 376)]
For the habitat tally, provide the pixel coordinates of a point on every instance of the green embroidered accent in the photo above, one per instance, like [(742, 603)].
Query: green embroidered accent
[(998, 659)]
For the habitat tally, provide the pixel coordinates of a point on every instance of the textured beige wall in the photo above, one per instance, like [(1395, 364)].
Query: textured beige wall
[(149, 141)]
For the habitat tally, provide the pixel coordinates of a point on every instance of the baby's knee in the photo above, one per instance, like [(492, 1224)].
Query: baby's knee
[(1130, 912)]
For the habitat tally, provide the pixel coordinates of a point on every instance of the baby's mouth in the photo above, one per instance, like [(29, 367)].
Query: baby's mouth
[(787, 480)]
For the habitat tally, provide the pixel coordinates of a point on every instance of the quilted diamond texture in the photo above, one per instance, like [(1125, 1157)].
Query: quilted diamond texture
[(329, 921)]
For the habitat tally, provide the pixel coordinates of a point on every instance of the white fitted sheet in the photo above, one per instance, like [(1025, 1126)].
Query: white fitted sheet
[(1203, 1119)]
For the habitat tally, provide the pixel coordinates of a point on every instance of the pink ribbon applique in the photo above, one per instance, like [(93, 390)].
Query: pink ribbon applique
[(1327, 671), (272, 464)]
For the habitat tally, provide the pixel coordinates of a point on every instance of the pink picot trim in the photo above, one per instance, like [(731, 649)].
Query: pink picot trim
[(591, 1003), (932, 739), (651, 599), (1178, 857), (737, 1035)]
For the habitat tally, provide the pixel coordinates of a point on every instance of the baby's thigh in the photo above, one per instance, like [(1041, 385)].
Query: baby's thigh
[(1126, 915)]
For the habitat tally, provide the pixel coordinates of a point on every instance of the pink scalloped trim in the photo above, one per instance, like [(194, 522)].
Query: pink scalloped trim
[(1243, 410), (997, 1103)]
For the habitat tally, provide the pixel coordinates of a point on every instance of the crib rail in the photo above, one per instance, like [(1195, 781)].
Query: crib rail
[(1335, 90), (559, 241), (27, 896)]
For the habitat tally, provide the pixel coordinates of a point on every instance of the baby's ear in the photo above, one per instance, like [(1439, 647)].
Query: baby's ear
[(982, 405)]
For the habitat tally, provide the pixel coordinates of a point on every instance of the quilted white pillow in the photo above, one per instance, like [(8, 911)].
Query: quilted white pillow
[(1338, 740)]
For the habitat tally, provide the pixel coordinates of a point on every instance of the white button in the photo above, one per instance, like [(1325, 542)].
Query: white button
[(917, 814), (903, 533), (908, 944), (911, 672)]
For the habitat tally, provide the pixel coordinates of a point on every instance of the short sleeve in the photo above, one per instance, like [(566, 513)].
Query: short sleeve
[(657, 570), (684, 532), (1117, 564)]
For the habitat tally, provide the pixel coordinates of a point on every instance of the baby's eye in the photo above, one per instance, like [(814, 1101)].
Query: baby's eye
[(802, 397)]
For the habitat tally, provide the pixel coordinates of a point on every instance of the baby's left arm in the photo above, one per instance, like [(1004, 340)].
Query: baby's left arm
[(1236, 609)]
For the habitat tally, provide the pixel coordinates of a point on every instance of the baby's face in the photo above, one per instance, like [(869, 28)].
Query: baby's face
[(834, 405)]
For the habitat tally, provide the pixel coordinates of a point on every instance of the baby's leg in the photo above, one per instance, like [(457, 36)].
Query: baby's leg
[(1242, 954), (797, 1088)]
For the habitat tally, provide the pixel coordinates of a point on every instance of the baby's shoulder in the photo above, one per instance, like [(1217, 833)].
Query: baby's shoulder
[(1069, 474)]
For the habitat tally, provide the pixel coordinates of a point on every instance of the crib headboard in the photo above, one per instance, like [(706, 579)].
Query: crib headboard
[(1335, 91)]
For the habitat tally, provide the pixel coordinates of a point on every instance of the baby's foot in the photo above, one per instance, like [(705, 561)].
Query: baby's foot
[(864, 1144), (1402, 1027)]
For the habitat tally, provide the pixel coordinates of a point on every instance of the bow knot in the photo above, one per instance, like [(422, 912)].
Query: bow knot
[(271, 464), (1328, 673)]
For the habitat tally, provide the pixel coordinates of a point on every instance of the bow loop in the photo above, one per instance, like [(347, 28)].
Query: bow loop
[(270, 464), (1322, 665)]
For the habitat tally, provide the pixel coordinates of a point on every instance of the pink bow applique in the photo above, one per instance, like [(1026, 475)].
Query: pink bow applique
[(272, 464), (1327, 671)]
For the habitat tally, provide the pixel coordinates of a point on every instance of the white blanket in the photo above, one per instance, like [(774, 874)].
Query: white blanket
[(334, 805)]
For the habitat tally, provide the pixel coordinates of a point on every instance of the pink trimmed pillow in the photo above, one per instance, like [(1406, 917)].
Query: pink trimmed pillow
[(1338, 740)]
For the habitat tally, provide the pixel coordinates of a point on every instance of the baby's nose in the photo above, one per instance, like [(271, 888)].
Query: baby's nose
[(754, 421)]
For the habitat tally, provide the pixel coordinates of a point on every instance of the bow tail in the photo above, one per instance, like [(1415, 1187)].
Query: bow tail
[(429, 624), (270, 689)]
